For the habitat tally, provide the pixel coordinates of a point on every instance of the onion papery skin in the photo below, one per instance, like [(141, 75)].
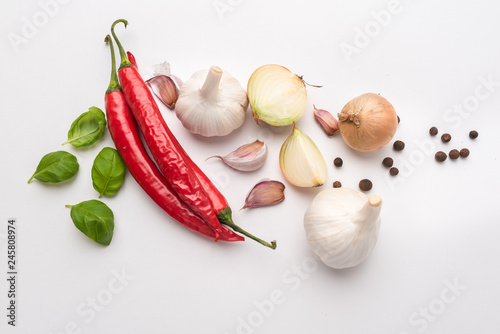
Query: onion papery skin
[(377, 119), (276, 95)]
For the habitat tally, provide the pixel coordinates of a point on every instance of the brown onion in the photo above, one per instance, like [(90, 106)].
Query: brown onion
[(368, 122)]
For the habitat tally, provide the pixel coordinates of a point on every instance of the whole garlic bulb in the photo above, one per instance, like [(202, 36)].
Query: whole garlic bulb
[(342, 226), (211, 103)]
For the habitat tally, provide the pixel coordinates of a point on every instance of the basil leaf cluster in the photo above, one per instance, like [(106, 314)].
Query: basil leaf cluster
[(93, 218)]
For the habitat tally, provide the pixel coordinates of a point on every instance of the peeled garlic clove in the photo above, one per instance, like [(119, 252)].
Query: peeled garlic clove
[(301, 162), (246, 158), (265, 193), (277, 96), (342, 226), (327, 121), (165, 89)]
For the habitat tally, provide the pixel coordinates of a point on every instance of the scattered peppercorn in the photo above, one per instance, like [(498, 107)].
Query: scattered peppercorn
[(399, 120), (365, 185), (473, 134), (440, 156), (388, 162), (394, 171), (445, 137), (464, 153), (338, 162), (454, 154), (433, 131), (399, 145), (337, 184)]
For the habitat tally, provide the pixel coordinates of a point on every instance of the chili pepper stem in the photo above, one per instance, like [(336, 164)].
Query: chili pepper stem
[(113, 83), (124, 59), (225, 218)]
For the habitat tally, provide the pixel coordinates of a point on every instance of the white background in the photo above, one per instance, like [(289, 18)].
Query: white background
[(440, 224)]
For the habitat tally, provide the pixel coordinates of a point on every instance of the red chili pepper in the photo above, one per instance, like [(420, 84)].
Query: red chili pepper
[(126, 136), (159, 140), (151, 122)]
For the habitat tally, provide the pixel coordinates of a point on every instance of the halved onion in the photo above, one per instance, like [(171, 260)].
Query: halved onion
[(276, 95), (301, 161)]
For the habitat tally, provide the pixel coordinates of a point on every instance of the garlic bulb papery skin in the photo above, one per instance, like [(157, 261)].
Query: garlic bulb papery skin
[(211, 103), (276, 95), (301, 162), (342, 226)]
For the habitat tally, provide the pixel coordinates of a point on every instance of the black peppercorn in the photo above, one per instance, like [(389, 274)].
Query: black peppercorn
[(394, 171), (399, 120), (433, 131), (337, 184), (454, 154), (440, 156), (365, 184), (338, 162), (388, 162), (445, 137), (399, 145), (464, 153), (473, 134)]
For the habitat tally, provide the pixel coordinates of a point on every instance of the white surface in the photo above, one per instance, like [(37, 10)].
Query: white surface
[(440, 222)]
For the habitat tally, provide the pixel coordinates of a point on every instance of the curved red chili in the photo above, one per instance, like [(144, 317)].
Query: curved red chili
[(166, 150), (158, 138), (126, 136)]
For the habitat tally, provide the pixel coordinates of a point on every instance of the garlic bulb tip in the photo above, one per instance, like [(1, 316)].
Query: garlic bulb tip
[(375, 201)]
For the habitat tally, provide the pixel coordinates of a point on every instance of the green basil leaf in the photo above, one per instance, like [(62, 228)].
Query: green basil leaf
[(94, 219), (56, 167), (88, 128), (108, 172)]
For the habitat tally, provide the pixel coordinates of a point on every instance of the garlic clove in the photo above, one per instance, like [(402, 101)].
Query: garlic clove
[(265, 193), (301, 161), (165, 89), (327, 121), (246, 158)]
